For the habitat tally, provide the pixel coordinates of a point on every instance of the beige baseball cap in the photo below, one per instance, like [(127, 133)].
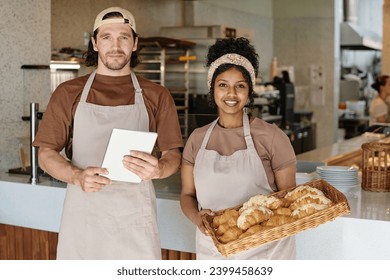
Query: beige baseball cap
[(128, 18)]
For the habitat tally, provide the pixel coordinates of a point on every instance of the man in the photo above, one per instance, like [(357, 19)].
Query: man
[(104, 219)]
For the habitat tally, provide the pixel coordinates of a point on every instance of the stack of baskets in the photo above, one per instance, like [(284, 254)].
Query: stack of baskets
[(376, 167)]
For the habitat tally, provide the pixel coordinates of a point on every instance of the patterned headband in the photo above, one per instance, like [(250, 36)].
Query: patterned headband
[(231, 58)]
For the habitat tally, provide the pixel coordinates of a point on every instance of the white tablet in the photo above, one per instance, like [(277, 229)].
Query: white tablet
[(120, 144)]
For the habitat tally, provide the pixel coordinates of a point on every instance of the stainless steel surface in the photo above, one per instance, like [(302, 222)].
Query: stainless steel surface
[(34, 108), (354, 37)]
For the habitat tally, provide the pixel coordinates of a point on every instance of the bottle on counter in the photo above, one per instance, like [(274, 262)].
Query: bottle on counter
[(273, 69)]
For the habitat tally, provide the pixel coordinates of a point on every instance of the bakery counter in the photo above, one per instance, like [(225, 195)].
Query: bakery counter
[(361, 235), (40, 207), (340, 149)]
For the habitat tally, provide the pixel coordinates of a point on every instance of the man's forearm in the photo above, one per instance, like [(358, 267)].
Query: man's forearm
[(57, 166), (169, 163)]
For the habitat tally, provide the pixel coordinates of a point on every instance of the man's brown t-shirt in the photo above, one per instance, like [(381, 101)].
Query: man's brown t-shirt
[(56, 128)]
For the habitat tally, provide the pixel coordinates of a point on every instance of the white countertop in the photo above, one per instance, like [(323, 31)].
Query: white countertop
[(364, 204), (361, 235), (339, 149)]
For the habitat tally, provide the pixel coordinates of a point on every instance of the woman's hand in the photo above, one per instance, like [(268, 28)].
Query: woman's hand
[(199, 222)]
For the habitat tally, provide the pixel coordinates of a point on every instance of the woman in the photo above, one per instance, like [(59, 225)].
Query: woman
[(236, 156), (379, 108)]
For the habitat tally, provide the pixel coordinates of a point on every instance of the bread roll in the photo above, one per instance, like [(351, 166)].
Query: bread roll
[(307, 210), (253, 216), (309, 199), (301, 191), (230, 235)]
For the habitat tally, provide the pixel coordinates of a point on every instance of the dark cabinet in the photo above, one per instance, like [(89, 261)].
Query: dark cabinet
[(303, 139)]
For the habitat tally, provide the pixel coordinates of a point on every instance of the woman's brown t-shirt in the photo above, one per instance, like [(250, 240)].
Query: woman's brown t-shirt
[(272, 145)]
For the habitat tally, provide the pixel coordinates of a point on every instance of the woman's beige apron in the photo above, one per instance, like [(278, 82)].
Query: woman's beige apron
[(118, 222), (227, 181)]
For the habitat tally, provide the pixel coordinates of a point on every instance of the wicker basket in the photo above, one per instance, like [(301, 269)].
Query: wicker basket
[(376, 167), (340, 207)]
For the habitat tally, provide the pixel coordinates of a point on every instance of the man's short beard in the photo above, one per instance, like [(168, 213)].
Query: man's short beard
[(116, 66)]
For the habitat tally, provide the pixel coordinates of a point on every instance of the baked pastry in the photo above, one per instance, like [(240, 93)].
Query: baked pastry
[(230, 235), (222, 229), (268, 201), (277, 220), (252, 230), (285, 203), (307, 210), (309, 199), (253, 216), (282, 211), (229, 214), (301, 191)]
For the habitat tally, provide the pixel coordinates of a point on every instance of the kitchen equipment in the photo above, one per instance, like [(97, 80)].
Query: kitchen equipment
[(34, 108), (267, 100), (287, 98), (357, 106)]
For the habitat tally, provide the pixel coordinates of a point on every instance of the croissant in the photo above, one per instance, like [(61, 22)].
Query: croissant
[(253, 216), (225, 217), (230, 235), (252, 230), (307, 210), (308, 199), (282, 211), (222, 229), (270, 202), (277, 220), (301, 191), (285, 203)]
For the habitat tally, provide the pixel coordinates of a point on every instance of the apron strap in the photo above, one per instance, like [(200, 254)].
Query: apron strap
[(138, 90), (87, 87), (247, 133), (208, 133)]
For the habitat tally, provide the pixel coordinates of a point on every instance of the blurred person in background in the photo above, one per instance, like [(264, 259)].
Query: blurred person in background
[(379, 110)]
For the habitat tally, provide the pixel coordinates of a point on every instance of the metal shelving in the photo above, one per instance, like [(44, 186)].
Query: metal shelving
[(165, 61)]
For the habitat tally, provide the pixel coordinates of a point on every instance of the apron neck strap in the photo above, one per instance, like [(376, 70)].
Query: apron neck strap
[(87, 87), (246, 127), (137, 88), (138, 91)]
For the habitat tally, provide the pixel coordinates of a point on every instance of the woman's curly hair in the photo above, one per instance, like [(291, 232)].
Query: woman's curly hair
[(239, 46)]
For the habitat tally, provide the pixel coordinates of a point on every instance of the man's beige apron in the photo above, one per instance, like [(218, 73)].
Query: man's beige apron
[(118, 222), (227, 181)]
